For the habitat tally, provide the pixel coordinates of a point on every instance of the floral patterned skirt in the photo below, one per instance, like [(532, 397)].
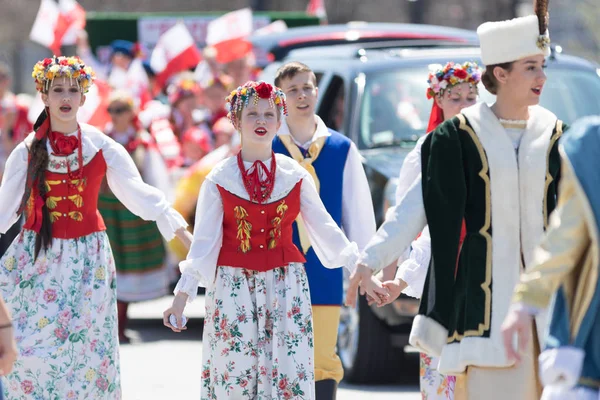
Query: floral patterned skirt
[(64, 311), (258, 337), (435, 386)]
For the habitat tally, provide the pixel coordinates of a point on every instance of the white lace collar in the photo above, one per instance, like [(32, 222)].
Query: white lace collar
[(288, 173), (92, 140)]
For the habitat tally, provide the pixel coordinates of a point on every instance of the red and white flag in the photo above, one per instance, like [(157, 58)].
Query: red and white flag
[(233, 25), (175, 51), (228, 33), (317, 8), (57, 24), (274, 27)]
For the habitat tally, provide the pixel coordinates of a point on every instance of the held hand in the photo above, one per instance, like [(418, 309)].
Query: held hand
[(176, 309), (516, 322), (374, 290), (352, 291), (394, 287), (8, 351)]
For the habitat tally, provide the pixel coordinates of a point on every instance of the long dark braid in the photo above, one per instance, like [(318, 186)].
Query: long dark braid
[(36, 174)]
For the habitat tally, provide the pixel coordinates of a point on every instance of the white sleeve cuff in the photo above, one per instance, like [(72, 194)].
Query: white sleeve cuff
[(170, 222), (414, 277), (349, 257), (188, 285), (428, 335), (561, 367)]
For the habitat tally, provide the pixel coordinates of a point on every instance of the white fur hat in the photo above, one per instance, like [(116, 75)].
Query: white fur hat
[(511, 40)]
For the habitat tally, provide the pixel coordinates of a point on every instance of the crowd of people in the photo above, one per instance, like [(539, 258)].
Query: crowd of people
[(94, 218)]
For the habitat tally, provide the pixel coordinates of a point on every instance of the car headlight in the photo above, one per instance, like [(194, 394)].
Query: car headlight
[(389, 194)]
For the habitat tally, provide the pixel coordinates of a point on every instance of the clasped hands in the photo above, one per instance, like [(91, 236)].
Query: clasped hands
[(370, 286)]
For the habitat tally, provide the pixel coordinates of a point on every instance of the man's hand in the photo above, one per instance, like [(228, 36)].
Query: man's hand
[(518, 322), (394, 288)]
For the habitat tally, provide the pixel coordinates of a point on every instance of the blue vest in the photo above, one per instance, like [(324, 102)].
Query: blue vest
[(581, 145), (326, 285)]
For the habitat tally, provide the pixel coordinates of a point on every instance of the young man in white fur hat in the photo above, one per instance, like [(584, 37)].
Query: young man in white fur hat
[(497, 168)]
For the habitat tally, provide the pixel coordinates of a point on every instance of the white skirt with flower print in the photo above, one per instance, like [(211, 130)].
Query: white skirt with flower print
[(65, 319), (258, 336)]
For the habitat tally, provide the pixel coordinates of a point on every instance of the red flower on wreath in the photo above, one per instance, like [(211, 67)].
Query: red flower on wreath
[(47, 61), (460, 73), (264, 90)]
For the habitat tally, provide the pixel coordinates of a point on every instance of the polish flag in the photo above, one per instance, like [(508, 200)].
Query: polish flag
[(274, 27), (317, 8), (174, 52), (228, 33), (57, 24)]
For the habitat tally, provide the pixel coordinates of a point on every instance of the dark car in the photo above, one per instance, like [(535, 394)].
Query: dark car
[(276, 46), (376, 97)]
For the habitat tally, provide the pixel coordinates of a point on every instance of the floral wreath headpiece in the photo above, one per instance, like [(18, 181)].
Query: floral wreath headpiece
[(452, 74), (182, 88), (48, 69), (240, 98)]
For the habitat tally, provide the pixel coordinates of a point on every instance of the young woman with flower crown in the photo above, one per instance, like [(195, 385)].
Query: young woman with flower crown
[(258, 338), (494, 169), (452, 88), (58, 276)]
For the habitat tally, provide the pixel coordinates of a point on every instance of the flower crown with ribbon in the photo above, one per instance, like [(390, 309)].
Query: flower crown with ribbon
[(48, 69), (240, 97), (452, 74)]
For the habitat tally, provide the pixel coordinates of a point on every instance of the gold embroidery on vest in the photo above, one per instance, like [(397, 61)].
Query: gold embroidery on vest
[(550, 178), (275, 233), (51, 183), (54, 215), (76, 215), (52, 201), (77, 200), (244, 228)]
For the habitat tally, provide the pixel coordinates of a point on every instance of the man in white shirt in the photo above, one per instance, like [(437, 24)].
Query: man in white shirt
[(335, 165)]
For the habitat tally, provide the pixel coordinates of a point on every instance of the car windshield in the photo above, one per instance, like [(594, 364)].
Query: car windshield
[(395, 111)]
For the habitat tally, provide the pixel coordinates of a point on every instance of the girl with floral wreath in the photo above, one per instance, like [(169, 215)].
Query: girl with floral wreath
[(258, 337), (58, 276)]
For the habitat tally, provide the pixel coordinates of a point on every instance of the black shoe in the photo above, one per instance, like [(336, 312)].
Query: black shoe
[(326, 389)]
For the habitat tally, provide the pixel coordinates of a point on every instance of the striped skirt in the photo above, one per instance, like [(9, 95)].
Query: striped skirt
[(138, 249)]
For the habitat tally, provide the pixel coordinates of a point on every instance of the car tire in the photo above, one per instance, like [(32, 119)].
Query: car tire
[(366, 350)]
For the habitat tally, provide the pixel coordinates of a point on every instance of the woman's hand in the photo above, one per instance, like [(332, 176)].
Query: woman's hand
[(185, 237), (394, 288), (369, 284), (176, 309), (8, 351)]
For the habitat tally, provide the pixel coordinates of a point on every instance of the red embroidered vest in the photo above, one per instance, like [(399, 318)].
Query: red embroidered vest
[(73, 212), (259, 237)]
